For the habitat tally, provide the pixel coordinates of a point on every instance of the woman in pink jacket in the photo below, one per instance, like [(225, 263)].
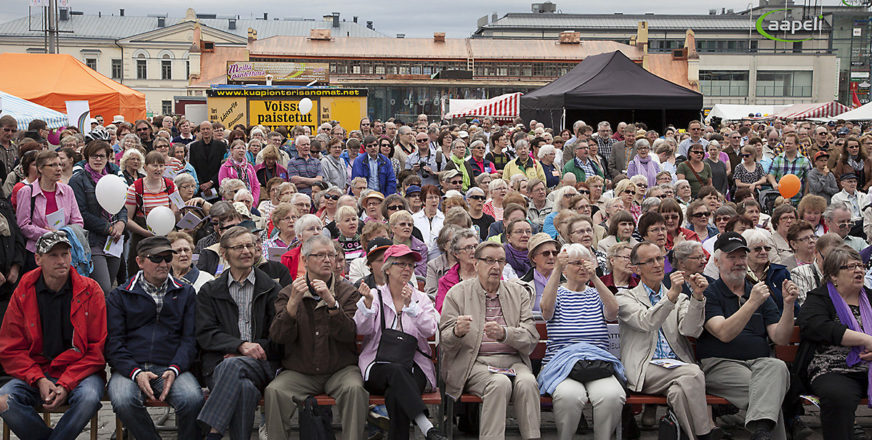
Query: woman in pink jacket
[(237, 167), (408, 310), (45, 197)]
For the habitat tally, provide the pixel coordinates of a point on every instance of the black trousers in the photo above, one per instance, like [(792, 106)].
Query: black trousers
[(840, 394), (402, 389)]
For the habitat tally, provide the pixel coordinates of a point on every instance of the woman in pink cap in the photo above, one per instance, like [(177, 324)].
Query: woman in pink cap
[(399, 306)]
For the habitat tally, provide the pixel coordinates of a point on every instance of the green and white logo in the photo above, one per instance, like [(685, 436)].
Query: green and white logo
[(765, 26)]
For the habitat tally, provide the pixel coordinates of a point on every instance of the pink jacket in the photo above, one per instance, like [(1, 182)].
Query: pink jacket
[(228, 172), (33, 228), (451, 277), (420, 320)]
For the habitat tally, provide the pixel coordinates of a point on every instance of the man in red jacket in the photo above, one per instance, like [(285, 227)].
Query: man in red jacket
[(51, 343)]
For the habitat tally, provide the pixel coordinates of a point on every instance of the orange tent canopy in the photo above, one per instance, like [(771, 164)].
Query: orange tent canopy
[(51, 79)]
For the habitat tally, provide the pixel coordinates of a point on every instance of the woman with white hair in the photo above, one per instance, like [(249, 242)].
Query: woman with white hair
[(305, 228), (131, 164), (576, 316), (129, 142), (283, 218), (401, 225), (641, 188), (561, 202), (761, 269), (349, 234), (229, 188), (643, 164), (547, 157), (498, 188)]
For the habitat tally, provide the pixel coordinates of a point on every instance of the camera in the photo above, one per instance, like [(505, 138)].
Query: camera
[(422, 163)]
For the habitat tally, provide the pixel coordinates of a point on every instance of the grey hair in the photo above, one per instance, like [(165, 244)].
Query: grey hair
[(837, 258), (577, 125), (643, 143), (476, 143), (650, 202), (603, 124), (837, 206), (755, 236), (461, 235), (304, 222), (443, 241), (683, 250), (183, 178), (680, 182), (577, 250), (521, 142), (312, 241), (726, 210), (496, 183), (298, 195), (638, 178), (232, 233), (562, 194), (545, 150), (241, 193), (228, 184), (297, 139)]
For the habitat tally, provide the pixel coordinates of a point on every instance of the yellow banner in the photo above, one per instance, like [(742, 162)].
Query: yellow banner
[(228, 111), (280, 113)]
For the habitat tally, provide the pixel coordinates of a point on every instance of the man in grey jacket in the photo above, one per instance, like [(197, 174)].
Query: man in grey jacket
[(822, 181), (654, 326)]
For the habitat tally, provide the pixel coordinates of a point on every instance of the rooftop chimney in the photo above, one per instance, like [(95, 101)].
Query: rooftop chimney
[(231, 24), (354, 18), (570, 37), (439, 37), (369, 25), (401, 35), (161, 22), (335, 20), (122, 12), (265, 16), (63, 14)]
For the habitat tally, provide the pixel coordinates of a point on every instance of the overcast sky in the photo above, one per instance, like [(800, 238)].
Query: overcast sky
[(414, 18)]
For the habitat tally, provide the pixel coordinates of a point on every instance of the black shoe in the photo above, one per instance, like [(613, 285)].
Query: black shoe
[(761, 434), (434, 434), (859, 432), (799, 430)]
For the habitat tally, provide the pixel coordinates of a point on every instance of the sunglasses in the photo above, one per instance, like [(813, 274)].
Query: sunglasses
[(701, 214), (456, 182), (142, 129), (584, 191), (697, 152), (395, 207), (332, 197), (157, 259), (477, 197), (420, 141), (549, 253), (761, 248), (746, 155)]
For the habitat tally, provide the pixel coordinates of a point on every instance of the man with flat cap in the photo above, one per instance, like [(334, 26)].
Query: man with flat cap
[(152, 344), (51, 343)]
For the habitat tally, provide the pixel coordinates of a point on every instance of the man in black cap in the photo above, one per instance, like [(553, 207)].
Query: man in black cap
[(152, 344), (375, 250), (740, 321), (61, 362), (856, 200)]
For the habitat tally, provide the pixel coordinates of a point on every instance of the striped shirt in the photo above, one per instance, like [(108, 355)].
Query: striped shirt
[(578, 317), (662, 350), (242, 294), (494, 312), (149, 200)]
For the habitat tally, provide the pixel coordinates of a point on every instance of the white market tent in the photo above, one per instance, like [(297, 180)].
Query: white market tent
[(736, 112), (863, 113), (812, 111), (506, 106), (25, 111)]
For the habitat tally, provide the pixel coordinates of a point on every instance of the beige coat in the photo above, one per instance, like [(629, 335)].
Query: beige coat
[(640, 323), (468, 298)]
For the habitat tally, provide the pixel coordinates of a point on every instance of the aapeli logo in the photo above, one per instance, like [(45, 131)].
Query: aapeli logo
[(792, 26)]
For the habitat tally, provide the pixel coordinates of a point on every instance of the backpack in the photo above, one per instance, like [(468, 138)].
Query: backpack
[(139, 189)]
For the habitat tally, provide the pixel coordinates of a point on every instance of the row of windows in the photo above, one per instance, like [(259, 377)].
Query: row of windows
[(548, 70), (790, 84), (166, 68)]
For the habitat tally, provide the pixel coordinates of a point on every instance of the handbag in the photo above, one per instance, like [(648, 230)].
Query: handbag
[(395, 346), (585, 370), (669, 428), (316, 421)]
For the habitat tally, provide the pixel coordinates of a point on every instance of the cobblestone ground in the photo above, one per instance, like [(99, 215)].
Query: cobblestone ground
[(106, 426)]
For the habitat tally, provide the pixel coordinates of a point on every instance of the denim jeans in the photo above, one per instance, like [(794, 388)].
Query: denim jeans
[(185, 396), (23, 420)]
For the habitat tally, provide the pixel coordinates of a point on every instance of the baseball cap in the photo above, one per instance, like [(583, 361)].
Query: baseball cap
[(450, 174), (463, 134), (453, 193), (847, 176), (843, 131), (93, 121), (374, 195), (51, 239), (538, 240), (375, 246), (154, 246), (731, 241), (412, 189), (820, 154), (400, 250)]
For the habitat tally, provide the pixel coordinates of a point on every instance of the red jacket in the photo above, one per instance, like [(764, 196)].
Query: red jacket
[(21, 334), (291, 260)]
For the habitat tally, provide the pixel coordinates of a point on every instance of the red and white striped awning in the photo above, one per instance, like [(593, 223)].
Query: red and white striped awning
[(815, 110), (500, 107)]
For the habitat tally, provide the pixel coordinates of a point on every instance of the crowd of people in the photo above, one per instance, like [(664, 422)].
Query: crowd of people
[(326, 263)]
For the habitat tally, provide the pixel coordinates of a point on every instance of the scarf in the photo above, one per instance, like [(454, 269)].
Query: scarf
[(647, 168), (95, 177), (855, 163), (518, 259), (847, 318), (461, 166), (241, 169)]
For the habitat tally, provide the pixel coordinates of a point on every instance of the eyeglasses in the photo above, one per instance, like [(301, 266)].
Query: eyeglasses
[(240, 247), (466, 248), (852, 266), (701, 214), (395, 207), (157, 259), (420, 141), (492, 261), (654, 260), (477, 197), (404, 225), (697, 152), (761, 248), (331, 196), (9, 130), (629, 191), (99, 156), (323, 256), (811, 237), (723, 218), (671, 217), (404, 265), (583, 192), (746, 155)]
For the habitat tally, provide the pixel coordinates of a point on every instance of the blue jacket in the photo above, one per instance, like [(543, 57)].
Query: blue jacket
[(387, 181), (138, 335), (95, 219), (558, 369), (775, 275)]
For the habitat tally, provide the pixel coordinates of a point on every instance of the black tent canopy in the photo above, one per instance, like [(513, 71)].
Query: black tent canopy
[(611, 87)]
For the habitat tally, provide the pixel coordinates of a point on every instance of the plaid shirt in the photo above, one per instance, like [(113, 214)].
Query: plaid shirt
[(310, 167), (800, 166), (662, 350), (156, 292), (242, 294), (604, 146)]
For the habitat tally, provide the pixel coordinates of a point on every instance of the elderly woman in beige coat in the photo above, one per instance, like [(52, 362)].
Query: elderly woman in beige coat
[(487, 331)]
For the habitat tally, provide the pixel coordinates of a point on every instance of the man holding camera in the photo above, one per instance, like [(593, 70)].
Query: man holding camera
[(423, 161)]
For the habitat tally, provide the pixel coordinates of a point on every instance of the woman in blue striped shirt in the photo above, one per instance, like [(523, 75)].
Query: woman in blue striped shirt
[(576, 312)]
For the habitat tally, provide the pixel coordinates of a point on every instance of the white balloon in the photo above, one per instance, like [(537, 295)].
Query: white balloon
[(161, 220), (305, 106), (111, 192)]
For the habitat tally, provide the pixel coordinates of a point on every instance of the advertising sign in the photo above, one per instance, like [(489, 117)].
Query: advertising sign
[(281, 72), (766, 25), (276, 112)]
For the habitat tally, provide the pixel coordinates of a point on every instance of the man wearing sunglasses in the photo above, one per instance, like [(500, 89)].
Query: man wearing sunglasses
[(695, 130), (151, 344), (423, 160)]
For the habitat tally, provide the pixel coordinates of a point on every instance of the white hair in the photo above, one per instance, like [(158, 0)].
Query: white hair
[(298, 195), (255, 131), (297, 139), (577, 250), (755, 236), (242, 193), (545, 150), (304, 222), (638, 178), (497, 183)]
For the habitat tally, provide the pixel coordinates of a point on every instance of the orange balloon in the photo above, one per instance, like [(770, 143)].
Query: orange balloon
[(789, 186)]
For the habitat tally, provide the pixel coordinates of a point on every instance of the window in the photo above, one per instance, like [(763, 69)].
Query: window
[(379, 70), (116, 69), (784, 84), (187, 69), (166, 107), (166, 68), (714, 83), (141, 68), (91, 63)]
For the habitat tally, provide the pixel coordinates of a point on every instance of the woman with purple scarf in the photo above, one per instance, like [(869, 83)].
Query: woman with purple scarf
[(238, 167), (835, 324), (517, 236), (100, 224), (642, 164)]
